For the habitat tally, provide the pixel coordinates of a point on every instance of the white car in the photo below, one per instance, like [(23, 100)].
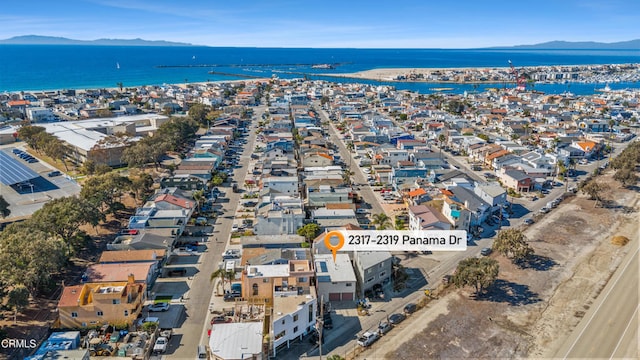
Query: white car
[(362, 211), (161, 306)]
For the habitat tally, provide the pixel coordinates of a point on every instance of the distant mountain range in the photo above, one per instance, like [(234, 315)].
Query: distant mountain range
[(52, 40), (584, 45)]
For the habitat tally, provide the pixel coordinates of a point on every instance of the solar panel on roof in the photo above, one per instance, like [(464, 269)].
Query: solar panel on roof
[(12, 171)]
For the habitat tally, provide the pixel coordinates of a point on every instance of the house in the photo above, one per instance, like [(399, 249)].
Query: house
[(423, 217), (372, 268), (94, 304), (326, 194), (493, 194), (183, 182), (281, 184), (234, 341), (457, 214), (417, 196), (335, 281), (268, 281), (332, 218), (317, 159), (132, 256), (61, 345), (478, 208), (294, 316), (143, 272), (516, 179), (391, 157), (282, 215)]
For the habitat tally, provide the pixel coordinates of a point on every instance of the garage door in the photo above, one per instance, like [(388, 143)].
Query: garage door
[(334, 296), (347, 296)]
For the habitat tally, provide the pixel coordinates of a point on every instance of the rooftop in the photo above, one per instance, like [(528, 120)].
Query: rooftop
[(329, 271)]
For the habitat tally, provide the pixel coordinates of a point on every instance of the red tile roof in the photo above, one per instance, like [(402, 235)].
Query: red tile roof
[(70, 295), (183, 203)]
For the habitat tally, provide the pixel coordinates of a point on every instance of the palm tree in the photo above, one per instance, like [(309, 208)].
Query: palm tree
[(346, 176), (223, 275), (382, 221), (120, 86)]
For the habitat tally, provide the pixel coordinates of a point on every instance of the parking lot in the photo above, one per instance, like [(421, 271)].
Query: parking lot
[(26, 198)]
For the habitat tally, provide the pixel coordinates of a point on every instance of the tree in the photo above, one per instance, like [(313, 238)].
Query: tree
[(18, 299), (141, 185), (223, 275), (594, 189), (346, 176), (63, 217), (626, 176), (120, 85), (513, 244), (105, 191), (381, 221), (29, 256), (198, 112), (198, 196), (477, 272), (309, 231), (4, 207)]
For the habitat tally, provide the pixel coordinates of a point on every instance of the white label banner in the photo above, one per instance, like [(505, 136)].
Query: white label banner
[(396, 240)]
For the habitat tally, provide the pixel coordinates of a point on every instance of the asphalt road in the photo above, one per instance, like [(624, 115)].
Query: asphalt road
[(193, 332), (359, 178), (610, 328)]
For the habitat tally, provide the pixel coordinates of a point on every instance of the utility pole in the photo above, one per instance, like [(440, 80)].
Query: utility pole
[(321, 328)]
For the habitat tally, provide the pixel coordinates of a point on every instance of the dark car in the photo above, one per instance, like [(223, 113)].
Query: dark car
[(396, 318), (410, 308), (485, 251), (177, 272), (231, 295), (54, 173), (315, 337), (327, 321)]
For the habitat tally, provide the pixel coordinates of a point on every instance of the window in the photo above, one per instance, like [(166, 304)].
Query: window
[(126, 313), (382, 274), (349, 284), (255, 289), (115, 301), (310, 314), (368, 271), (283, 320), (381, 265), (281, 334), (295, 329), (295, 318), (302, 280), (370, 279), (265, 280), (100, 313), (74, 314)]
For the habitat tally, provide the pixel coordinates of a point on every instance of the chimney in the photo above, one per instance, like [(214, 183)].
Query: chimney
[(131, 279)]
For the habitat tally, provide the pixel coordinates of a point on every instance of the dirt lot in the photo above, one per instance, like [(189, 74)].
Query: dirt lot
[(529, 311)]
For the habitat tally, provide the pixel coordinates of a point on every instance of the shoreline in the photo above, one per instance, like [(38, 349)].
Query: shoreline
[(391, 75), (403, 75)]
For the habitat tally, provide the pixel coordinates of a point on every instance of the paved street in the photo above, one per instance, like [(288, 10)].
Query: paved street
[(609, 329), (194, 330)]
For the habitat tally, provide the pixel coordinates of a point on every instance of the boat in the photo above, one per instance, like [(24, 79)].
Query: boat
[(117, 65), (322, 66), (605, 89)]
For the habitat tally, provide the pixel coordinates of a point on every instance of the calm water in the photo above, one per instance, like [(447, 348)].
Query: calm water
[(41, 67)]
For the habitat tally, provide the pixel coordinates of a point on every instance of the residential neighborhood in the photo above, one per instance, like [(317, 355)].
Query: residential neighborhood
[(229, 232)]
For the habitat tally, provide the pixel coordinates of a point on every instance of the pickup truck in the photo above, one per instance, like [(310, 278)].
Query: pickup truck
[(161, 345), (368, 338)]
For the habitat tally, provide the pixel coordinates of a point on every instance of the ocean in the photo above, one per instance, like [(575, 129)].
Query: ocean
[(50, 67)]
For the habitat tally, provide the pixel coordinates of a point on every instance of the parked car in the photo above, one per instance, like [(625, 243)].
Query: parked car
[(54, 173), (177, 271), (161, 345), (410, 308), (231, 295), (528, 221), (327, 321), (396, 318), (160, 306), (368, 338), (384, 327), (485, 251)]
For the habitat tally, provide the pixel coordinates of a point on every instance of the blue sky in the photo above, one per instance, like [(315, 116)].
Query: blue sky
[(328, 23)]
